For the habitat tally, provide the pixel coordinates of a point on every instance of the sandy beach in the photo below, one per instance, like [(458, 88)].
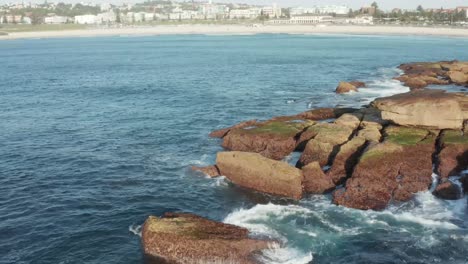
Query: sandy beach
[(243, 30)]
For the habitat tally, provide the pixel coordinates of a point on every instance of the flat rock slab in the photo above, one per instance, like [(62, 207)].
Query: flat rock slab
[(272, 139), (179, 238), (253, 171), (434, 109)]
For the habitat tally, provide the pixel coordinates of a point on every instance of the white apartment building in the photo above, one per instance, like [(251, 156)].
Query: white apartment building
[(303, 20), (328, 9), (56, 20), (361, 20), (86, 19), (250, 13), (107, 17), (271, 11)]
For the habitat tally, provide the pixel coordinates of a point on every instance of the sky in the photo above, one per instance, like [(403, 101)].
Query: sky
[(355, 4)]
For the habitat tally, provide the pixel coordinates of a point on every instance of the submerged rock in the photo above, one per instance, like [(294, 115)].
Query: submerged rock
[(426, 108), (254, 171), (448, 190), (179, 238), (272, 139), (395, 169), (453, 156), (211, 171)]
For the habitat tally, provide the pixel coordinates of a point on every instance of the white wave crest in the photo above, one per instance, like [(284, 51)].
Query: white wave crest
[(135, 229)]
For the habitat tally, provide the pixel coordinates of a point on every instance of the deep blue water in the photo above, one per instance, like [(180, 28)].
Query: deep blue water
[(98, 133)]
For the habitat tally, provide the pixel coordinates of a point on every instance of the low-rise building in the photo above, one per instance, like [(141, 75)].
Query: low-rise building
[(271, 11), (463, 8), (303, 20), (361, 20), (250, 13), (86, 19), (56, 20)]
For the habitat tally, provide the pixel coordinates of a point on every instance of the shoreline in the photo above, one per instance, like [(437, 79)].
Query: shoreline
[(243, 30)]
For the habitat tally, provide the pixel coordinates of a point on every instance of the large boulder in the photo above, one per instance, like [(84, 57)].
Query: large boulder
[(272, 139), (253, 171), (179, 238), (392, 170), (323, 141), (458, 77), (435, 109), (345, 87), (315, 180), (453, 156)]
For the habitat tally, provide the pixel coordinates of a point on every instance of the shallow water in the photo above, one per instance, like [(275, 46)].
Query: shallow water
[(99, 133)]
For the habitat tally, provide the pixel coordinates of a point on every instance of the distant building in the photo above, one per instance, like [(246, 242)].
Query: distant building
[(106, 18), (303, 20), (463, 8), (56, 20), (368, 10), (27, 20), (323, 10), (86, 19), (250, 13), (271, 11), (361, 20)]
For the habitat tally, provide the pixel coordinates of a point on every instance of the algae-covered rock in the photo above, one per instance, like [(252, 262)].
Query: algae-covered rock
[(222, 132), (179, 238), (325, 113), (395, 169), (272, 139), (253, 171), (453, 157)]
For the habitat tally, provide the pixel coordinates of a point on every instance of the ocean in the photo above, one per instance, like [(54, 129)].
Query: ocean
[(96, 134)]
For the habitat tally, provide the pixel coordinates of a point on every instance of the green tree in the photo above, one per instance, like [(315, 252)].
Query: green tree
[(420, 9)]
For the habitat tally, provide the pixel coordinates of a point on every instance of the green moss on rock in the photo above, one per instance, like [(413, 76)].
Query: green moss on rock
[(407, 135), (454, 137), (281, 128)]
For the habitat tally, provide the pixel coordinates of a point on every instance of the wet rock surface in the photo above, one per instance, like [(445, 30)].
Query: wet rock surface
[(448, 190), (210, 171), (253, 171), (180, 238), (453, 156), (421, 74)]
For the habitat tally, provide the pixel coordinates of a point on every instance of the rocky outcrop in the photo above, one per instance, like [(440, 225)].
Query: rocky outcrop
[(435, 109), (222, 132), (315, 181), (325, 113), (421, 74), (453, 156), (179, 238), (346, 87), (392, 170), (448, 190), (210, 171), (272, 139), (323, 141), (253, 171)]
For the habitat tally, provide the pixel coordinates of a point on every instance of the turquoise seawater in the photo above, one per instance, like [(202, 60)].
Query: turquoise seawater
[(98, 133)]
